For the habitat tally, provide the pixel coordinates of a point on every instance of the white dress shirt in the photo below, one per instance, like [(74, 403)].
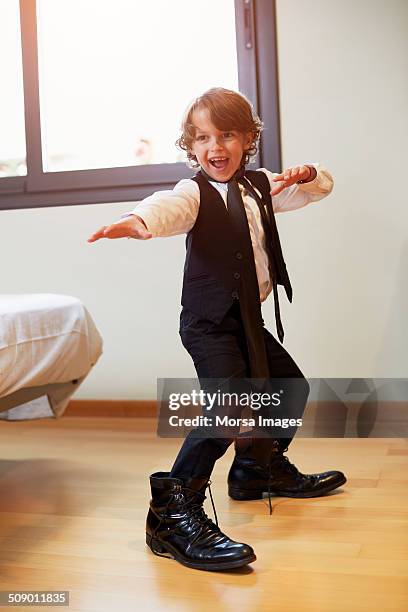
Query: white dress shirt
[(174, 211)]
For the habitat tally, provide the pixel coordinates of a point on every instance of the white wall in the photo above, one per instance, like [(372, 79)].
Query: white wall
[(343, 97), (343, 81)]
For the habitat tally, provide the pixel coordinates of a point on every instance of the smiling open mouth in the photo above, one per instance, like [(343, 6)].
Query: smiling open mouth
[(219, 162)]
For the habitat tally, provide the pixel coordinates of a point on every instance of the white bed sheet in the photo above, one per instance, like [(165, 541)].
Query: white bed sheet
[(45, 338)]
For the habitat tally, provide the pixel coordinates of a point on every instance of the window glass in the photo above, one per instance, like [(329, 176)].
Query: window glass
[(116, 75), (12, 133)]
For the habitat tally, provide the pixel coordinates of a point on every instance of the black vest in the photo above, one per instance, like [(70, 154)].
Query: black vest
[(212, 270)]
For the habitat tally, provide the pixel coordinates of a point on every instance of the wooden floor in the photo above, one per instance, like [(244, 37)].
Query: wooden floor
[(73, 501)]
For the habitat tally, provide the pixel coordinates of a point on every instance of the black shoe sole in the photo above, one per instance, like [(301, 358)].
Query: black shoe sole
[(247, 494), (163, 548)]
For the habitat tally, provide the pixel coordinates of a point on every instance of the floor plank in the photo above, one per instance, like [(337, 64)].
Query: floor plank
[(73, 502)]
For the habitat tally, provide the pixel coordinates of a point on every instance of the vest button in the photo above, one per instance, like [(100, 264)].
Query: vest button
[(235, 295), (237, 275), (238, 255)]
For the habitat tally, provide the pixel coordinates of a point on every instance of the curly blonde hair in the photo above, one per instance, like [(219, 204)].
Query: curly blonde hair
[(228, 110)]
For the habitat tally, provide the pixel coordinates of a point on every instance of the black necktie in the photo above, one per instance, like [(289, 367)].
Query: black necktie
[(273, 256), (250, 303), (239, 219)]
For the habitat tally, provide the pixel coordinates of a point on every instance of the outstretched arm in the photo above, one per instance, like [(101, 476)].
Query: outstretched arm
[(298, 186), (165, 213), (131, 227), (291, 176)]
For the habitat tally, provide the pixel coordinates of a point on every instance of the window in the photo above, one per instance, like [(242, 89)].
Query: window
[(105, 85), (12, 137)]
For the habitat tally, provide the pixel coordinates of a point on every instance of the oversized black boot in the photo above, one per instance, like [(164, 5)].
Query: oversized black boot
[(259, 467), (178, 527)]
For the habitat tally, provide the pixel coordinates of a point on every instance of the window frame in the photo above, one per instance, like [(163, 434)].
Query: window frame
[(257, 76)]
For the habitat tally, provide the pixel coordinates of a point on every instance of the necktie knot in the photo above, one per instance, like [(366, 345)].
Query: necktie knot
[(239, 174)]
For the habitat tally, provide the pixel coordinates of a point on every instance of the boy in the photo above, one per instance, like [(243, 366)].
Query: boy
[(233, 261)]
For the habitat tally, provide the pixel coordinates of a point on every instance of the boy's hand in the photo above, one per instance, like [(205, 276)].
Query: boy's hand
[(131, 227), (290, 177)]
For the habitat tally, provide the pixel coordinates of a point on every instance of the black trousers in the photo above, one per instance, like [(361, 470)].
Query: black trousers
[(219, 352)]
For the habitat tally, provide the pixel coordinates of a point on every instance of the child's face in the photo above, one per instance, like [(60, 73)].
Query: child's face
[(218, 153)]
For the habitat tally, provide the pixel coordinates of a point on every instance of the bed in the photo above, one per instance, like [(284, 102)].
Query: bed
[(48, 345)]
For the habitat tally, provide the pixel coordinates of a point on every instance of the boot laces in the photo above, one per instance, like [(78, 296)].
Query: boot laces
[(193, 506), (284, 463), (197, 519), (195, 503), (287, 466)]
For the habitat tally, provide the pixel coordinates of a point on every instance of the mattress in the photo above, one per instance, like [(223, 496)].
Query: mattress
[(45, 339)]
